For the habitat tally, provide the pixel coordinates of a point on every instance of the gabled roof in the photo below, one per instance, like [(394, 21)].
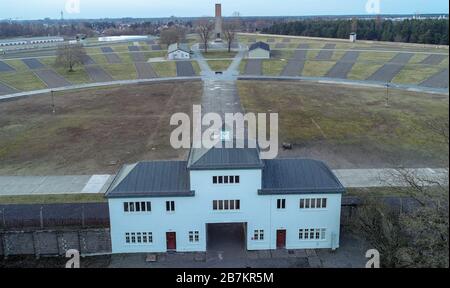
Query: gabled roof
[(298, 176), (178, 46), (225, 158), (152, 179), (260, 45)]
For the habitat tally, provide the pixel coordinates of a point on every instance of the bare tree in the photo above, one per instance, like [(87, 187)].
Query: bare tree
[(70, 55), (230, 30), (172, 35), (204, 30)]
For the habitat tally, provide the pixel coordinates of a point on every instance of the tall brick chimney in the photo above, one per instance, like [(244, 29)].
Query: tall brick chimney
[(218, 26), (218, 10)]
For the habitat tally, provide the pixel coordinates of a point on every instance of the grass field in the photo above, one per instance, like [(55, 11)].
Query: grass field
[(350, 126), (165, 69), (94, 130), (219, 54), (219, 65)]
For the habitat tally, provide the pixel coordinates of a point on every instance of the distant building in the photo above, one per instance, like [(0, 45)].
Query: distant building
[(178, 52), (353, 37), (259, 50), (162, 206), (30, 41)]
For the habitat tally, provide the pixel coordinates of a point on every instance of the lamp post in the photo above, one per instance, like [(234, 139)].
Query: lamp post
[(53, 101)]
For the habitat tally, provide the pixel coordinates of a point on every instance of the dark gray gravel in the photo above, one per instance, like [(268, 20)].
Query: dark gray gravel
[(88, 60), (156, 47), (52, 79), (343, 66), (5, 89), (134, 48), (97, 74), (33, 63), (389, 70), (439, 80), (5, 67), (111, 57), (185, 69), (401, 58), (293, 68), (327, 53), (145, 70), (433, 59), (254, 67)]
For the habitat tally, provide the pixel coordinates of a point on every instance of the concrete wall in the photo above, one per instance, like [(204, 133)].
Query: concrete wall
[(194, 213), (54, 242)]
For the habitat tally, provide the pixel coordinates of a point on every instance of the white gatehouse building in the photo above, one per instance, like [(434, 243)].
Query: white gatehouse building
[(162, 206)]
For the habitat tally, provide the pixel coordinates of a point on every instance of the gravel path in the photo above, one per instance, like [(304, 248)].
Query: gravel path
[(433, 59), (326, 53), (33, 63), (111, 57), (343, 66), (439, 80), (301, 54), (145, 70), (5, 67), (184, 68), (88, 60), (401, 58), (156, 47), (97, 74), (138, 57), (134, 48), (254, 67), (51, 78)]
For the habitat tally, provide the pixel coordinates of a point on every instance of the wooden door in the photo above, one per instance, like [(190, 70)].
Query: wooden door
[(281, 239), (171, 238)]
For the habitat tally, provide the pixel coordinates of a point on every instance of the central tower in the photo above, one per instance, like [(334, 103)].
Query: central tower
[(219, 22)]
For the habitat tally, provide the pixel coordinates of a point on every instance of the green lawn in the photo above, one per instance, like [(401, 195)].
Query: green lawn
[(362, 71), (242, 66), (219, 65), (377, 57), (273, 67), (196, 67), (78, 76), (25, 81), (124, 71), (219, 54), (352, 118), (53, 199), (165, 69), (17, 64), (317, 68), (415, 74)]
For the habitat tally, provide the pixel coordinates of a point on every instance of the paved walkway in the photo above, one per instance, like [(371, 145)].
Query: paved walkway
[(86, 184)]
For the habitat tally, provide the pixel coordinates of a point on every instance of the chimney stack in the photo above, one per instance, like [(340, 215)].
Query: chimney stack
[(218, 10)]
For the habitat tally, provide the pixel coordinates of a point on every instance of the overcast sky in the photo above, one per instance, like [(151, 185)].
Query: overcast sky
[(38, 9)]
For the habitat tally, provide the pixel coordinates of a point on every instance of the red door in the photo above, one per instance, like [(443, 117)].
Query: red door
[(281, 239), (171, 238)]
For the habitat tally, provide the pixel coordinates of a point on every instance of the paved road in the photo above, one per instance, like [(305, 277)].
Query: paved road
[(254, 67), (33, 63), (51, 78), (326, 53), (145, 70), (433, 59), (185, 69), (111, 57), (97, 74), (439, 80), (5, 67), (294, 67), (229, 102), (344, 65), (301, 54)]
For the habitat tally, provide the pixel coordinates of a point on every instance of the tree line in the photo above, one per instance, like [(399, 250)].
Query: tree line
[(425, 31)]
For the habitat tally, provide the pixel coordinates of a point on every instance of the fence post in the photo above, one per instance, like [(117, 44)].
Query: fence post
[(41, 217), (3, 218)]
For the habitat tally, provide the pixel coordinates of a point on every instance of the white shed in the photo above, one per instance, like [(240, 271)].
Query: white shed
[(178, 52), (259, 50), (353, 37)]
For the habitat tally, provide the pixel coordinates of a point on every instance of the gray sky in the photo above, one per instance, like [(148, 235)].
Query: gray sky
[(38, 9)]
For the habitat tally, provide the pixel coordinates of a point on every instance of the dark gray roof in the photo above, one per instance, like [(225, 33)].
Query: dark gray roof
[(224, 158), (261, 45), (152, 179), (298, 176)]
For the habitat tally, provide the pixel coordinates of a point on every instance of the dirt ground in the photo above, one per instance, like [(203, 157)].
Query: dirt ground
[(94, 130), (351, 127)]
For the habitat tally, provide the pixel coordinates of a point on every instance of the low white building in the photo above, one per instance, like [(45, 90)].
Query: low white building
[(30, 41), (163, 206), (259, 50), (178, 51)]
